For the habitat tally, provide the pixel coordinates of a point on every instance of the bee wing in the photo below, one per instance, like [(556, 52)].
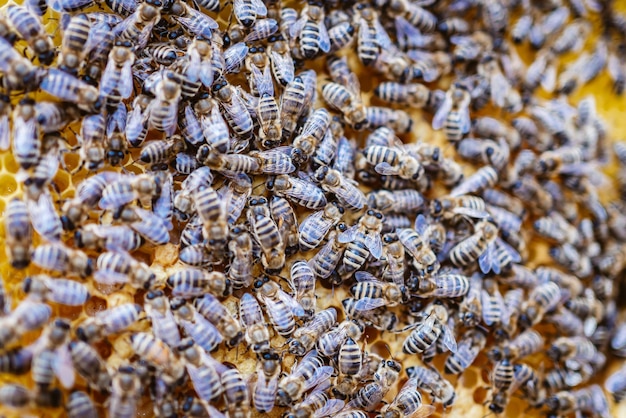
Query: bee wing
[(259, 7), (331, 408), (466, 122), (262, 80), (375, 245), (614, 66), (296, 28), (155, 232), (515, 256), (365, 276), (367, 304), (193, 26), (348, 235), (548, 79), (464, 353), (285, 64), (292, 303), (381, 35), (488, 261), (319, 376), (234, 56), (314, 219), (617, 381), (442, 113), (5, 138), (126, 80), (448, 338), (386, 169), (499, 89), (423, 411), (44, 217), (199, 329), (472, 213), (60, 289), (324, 39), (64, 367), (110, 277)]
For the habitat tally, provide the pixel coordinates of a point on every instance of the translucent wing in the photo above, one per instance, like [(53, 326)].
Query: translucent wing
[(365, 276), (313, 219), (375, 245), (448, 338), (296, 28), (423, 411), (488, 261), (260, 8), (324, 39), (442, 113), (386, 169), (110, 277), (125, 86), (293, 304), (548, 80), (320, 375), (234, 56), (331, 408), (195, 27), (499, 89), (5, 138), (348, 235), (472, 213), (64, 367), (515, 256), (44, 217), (262, 80), (367, 304), (614, 66)]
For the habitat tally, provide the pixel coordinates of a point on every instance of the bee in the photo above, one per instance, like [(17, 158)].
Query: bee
[(79, 404), (236, 393), (268, 113), (52, 353), (88, 363), (100, 237), (312, 133), (285, 218), (281, 307), (433, 326), (494, 153), (247, 11), (29, 315), (552, 162), (372, 38), (617, 70), (317, 403), (120, 267), (256, 332), (44, 218), (117, 81), (15, 396), (363, 240), (156, 352), (345, 189), (526, 343), (66, 87), (266, 233), (407, 403), (394, 162), (136, 28), (211, 308), (26, 145), (453, 114), (572, 38), (299, 191), (125, 392), (18, 233), (472, 343), (16, 361), (162, 111), (444, 285), (236, 113), (202, 332), (308, 373), (303, 282), (159, 151), (429, 380), (305, 338), (63, 291), (109, 321), (449, 207), (76, 43), (589, 399), (59, 258), (542, 299), (347, 100), (292, 103), (370, 395), (371, 293), (127, 189), (314, 228), (615, 385), (417, 245), (414, 95), (28, 25), (281, 61), (163, 324), (20, 73), (240, 247), (325, 261), (311, 31)]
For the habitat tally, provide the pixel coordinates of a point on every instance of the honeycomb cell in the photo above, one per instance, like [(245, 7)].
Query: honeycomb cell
[(8, 185), (95, 305), (9, 164)]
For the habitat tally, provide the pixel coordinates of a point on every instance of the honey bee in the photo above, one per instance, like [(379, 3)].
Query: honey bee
[(308, 373), (18, 233), (317, 403), (281, 60), (300, 191), (15, 396), (211, 308), (453, 114), (371, 293), (201, 331), (303, 283), (429, 380), (236, 113), (108, 322), (163, 324), (125, 392), (347, 100), (285, 218), (589, 399), (280, 307), (325, 261), (236, 393), (394, 162), (44, 218), (66, 87), (265, 231), (372, 38), (344, 189), (542, 299), (21, 74), (162, 112), (433, 326), (311, 31), (314, 227), (30, 28), (495, 153), (471, 249), (63, 291), (127, 189), (615, 385), (116, 267), (88, 363), (240, 246), (52, 358), (363, 240), (292, 104), (268, 371), (312, 133), (414, 95), (79, 404), (370, 395), (256, 332), (417, 245), (159, 151), (59, 258), (407, 403)]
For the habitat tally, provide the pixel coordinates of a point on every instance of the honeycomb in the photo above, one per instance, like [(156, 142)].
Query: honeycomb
[(471, 386)]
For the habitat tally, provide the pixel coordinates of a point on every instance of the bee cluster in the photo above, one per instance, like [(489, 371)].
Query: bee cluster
[(239, 179)]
